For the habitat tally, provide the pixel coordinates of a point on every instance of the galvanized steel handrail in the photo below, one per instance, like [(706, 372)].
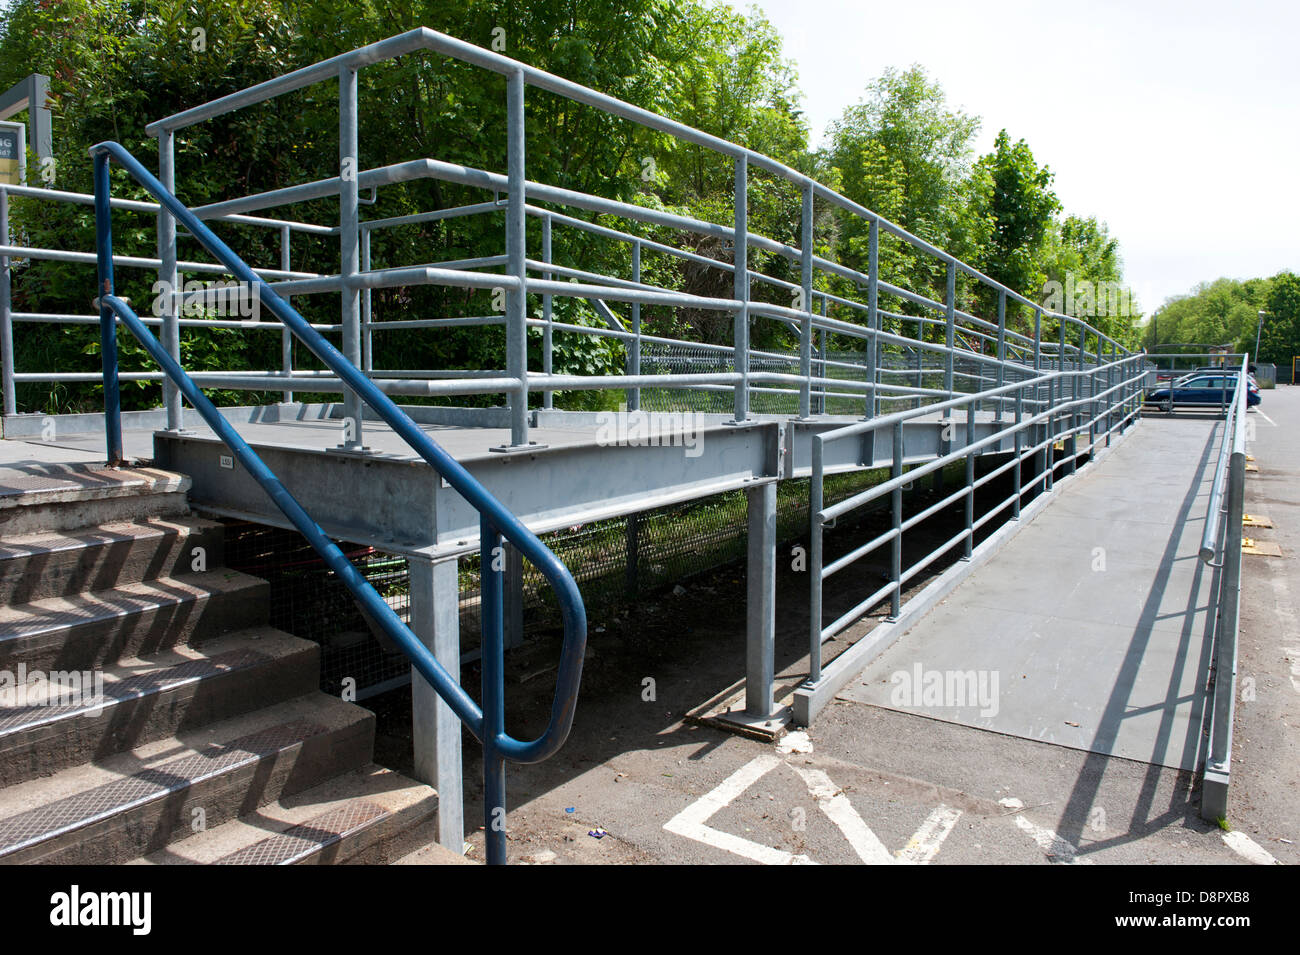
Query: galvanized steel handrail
[(1117, 397), (1223, 535), (1215, 506), (486, 722)]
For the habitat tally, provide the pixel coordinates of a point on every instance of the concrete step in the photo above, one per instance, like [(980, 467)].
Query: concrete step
[(371, 816), (37, 498), (45, 727), (136, 803), (64, 563), (90, 630)]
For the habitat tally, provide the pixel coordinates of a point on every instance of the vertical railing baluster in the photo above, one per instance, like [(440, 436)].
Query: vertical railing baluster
[(873, 317), (634, 350), (516, 261), (169, 277), (548, 332), (286, 336), (806, 305), (1019, 446), (970, 478), (349, 248), (1002, 351), (950, 326), (896, 507), (107, 321), (6, 314), (740, 262), (815, 582)]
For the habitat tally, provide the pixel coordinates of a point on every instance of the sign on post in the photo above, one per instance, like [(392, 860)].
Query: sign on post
[(13, 154)]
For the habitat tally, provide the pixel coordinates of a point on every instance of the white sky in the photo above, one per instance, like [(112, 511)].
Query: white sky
[(1156, 116)]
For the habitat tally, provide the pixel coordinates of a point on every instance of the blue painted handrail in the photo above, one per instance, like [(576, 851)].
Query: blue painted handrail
[(496, 522)]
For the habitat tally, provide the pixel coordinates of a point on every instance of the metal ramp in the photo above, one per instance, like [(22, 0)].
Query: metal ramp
[(1094, 624)]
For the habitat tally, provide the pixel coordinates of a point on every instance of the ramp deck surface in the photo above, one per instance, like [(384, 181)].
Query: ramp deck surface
[(1090, 629)]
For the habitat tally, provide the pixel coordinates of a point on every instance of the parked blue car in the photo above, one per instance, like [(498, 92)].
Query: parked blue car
[(1202, 388)]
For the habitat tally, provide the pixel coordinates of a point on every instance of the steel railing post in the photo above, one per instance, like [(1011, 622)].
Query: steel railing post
[(896, 509), (820, 406), (740, 259), (1038, 339), (873, 317), (950, 326), (516, 265), (815, 531), (806, 305), (970, 480), (169, 277), (548, 356), (1019, 445), (107, 321), (349, 249), (6, 314), (286, 336), (634, 347), (1002, 351)]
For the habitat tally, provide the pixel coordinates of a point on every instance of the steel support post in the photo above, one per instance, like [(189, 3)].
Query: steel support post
[(492, 669), (514, 597), (436, 731), (169, 277), (632, 571), (760, 648), (349, 250)]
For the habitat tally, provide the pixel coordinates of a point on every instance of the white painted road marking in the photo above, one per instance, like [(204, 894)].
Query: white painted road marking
[(1055, 847), (692, 821), (924, 846), (836, 805), (1266, 417), (1248, 848)]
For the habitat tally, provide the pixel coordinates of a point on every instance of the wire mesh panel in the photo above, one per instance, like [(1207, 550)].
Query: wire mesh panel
[(615, 562)]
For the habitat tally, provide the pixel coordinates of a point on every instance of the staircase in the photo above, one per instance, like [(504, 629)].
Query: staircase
[(148, 714)]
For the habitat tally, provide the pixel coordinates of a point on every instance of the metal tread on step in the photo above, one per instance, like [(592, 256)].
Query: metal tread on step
[(369, 815), (306, 839), (89, 630), (15, 719), (65, 816)]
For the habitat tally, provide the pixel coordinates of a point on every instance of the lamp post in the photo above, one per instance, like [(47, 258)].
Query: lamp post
[(1258, 330)]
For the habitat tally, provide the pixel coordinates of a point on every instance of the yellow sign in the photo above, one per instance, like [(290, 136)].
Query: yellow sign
[(12, 146)]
